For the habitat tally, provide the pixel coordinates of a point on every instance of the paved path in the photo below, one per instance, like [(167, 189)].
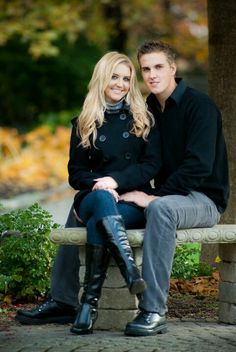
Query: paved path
[(181, 337), (57, 201), (59, 206)]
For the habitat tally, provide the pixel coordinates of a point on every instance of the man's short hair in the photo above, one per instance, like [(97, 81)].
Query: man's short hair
[(152, 46)]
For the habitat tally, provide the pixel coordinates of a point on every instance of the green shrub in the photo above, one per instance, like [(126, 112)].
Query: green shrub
[(26, 252), (187, 264)]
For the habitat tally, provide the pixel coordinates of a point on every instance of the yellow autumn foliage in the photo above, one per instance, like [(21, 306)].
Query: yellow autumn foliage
[(33, 161)]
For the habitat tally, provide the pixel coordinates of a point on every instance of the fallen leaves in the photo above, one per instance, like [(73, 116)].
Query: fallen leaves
[(10, 142), (199, 286), (34, 161)]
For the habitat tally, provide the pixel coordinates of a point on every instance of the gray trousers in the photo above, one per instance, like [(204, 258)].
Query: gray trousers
[(164, 215), (65, 283)]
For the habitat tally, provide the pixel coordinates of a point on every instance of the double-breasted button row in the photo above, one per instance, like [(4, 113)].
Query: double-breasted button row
[(127, 156), (103, 138)]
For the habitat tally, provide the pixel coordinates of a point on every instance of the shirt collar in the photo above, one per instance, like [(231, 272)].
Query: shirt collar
[(176, 95)]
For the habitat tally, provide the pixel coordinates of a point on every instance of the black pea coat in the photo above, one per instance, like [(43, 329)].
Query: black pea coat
[(131, 161)]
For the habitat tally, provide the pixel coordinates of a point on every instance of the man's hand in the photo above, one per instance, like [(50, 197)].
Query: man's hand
[(140, 198), (106, 182)]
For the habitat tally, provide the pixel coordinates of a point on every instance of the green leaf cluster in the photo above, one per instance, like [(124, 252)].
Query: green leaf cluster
[(187, 263), (26, 252)]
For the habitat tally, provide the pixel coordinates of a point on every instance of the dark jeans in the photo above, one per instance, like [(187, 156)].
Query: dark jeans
[(65, 283), (99, 204)]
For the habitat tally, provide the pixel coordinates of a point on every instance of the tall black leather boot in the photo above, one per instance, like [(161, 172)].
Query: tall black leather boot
[(114, 231), (97, 261)]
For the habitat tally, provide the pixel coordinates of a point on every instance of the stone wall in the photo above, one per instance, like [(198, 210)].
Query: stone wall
[(227, 289)]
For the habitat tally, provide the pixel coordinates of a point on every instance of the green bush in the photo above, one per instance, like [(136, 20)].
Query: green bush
[(26, 252), (187, 264)]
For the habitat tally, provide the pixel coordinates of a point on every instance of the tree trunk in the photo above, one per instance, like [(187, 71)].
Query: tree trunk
[(113, 13), (222, 88), (222, 81)]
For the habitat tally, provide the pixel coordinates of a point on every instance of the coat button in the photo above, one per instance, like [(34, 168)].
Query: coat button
[(122, 116), (102, 138), (125, 134), (127, 155), (106, 158)]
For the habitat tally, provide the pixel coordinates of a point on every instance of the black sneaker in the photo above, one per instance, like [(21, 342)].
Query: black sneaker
[(48, 312)]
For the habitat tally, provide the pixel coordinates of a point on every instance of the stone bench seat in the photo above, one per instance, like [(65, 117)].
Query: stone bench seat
[(117, 306)]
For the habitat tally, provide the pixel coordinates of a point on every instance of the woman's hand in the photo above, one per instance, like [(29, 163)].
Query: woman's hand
[(114, 193), (105, 182), (108, 184)]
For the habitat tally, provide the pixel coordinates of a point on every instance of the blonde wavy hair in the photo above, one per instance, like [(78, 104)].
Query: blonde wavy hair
[(92, 115)]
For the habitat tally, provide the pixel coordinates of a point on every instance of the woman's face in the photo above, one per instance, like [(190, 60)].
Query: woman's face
[(119, 84)]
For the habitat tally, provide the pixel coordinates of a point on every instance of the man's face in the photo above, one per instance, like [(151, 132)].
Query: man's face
[(158, 74)]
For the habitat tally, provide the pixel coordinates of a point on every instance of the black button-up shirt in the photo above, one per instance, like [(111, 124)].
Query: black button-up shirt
[(194, 154)]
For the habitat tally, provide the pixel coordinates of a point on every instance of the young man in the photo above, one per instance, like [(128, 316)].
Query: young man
[(192, 188)]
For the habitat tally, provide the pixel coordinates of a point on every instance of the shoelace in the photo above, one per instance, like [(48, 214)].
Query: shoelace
[(44, 304), (146, 316)]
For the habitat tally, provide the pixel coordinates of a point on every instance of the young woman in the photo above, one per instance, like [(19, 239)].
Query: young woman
[(114, 149)]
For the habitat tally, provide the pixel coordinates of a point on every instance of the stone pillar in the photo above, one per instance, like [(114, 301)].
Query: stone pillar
[(227, 288), (116, 306)]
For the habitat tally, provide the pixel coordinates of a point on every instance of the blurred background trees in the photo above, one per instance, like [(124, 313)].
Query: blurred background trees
[(48, 49)]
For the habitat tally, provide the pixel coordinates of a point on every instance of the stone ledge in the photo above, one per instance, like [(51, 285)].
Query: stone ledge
[(215, 234)]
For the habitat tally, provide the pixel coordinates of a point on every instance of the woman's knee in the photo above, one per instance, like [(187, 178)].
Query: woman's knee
[(98, 204), (97, 199), (100, 194)]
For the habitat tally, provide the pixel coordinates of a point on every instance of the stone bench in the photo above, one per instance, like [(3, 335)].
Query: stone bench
[(117, 306)]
